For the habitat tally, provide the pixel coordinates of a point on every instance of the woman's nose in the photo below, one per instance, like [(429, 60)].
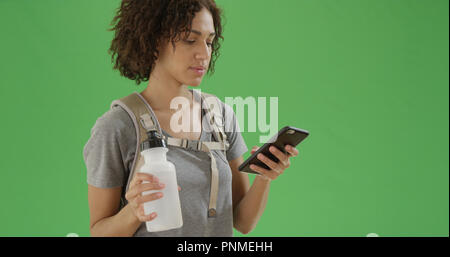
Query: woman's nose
[(202, 51)]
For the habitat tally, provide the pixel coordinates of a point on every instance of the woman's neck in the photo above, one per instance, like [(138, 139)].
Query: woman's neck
[(161, 90)]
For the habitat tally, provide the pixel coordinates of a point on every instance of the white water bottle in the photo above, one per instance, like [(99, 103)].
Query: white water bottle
[(167, 208)]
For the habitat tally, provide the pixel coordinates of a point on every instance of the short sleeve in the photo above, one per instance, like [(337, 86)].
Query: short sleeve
[(234, 136), (108, 152)]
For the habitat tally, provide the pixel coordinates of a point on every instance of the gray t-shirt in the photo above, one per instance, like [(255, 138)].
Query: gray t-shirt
[(109, 155)]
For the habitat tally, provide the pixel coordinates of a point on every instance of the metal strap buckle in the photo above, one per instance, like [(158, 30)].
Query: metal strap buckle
[(192, 145), (147, 122), (212, 213)]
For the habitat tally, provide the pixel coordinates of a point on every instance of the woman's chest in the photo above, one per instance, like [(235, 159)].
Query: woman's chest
[(181, 124), (194, 169)]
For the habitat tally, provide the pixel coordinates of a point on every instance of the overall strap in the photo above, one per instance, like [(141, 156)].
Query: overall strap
[(215, 118), (214, 115), (137, 108)]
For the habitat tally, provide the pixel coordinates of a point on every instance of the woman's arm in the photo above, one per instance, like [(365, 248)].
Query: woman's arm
[(248, 202), (104, 204), (104, 218)]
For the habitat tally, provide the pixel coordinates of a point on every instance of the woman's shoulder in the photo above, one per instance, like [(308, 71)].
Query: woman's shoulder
[(115, 120), (112, 137)]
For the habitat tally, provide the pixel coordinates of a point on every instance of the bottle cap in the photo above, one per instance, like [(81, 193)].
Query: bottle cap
[(154, 140)]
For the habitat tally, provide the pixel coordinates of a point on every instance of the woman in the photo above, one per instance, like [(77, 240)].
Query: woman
[(171, 44)]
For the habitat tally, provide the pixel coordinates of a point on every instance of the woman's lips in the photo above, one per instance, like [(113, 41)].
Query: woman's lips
[(198, 70)]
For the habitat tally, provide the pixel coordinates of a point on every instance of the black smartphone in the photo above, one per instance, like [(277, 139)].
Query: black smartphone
[(286, 136)]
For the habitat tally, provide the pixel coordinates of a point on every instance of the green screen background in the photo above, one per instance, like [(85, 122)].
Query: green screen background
[(368, 79)]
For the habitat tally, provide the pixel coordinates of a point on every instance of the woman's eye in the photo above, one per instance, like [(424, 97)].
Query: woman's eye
[(193, 41)]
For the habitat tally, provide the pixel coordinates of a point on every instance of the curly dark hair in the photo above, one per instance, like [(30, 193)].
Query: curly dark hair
[(142, 25)]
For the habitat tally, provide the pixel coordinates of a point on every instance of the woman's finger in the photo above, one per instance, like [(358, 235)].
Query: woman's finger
[(141, 214), (137, 189), (284, 159), (148, 187), (272, 165), (254, 149), (141, 177), (262, 171), (291, 150), (149, 197), (142, 217), (150, 217)]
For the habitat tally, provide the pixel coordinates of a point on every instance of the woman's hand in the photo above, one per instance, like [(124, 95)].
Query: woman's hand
[(135, 198), (276, 169)]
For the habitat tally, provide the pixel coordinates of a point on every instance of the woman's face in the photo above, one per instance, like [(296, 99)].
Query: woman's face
[(193, 50)]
